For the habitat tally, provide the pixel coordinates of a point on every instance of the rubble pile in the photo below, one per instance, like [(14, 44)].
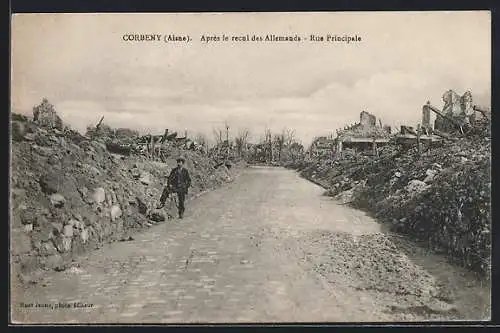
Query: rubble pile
[(433, 183), (359, 131), (440, 196), (71, 194)]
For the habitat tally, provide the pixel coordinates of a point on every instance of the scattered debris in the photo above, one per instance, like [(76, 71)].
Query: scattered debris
[(71, 192), (437, 189)]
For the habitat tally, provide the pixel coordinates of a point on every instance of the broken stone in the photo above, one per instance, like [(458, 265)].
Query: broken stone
[(430, 175), (68, 230), (135, 173), (57, 200), (99, 195), (114, 198), (49, 183), (66, 243), (437, 166), (109, 200), (29, 137), (58, 243), (53, 159), (416, 186), (47, 248), (28, 216), (28, 228), (145, 179), (42, 140), (84, 235), (91, 169), (115, 212), (345, 196), (83, 192)]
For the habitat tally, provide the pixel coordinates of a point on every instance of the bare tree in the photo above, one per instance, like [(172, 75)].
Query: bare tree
[(268, 144), (226, 126), (241, 141), (289, 136), (279, 142), (217, 133)]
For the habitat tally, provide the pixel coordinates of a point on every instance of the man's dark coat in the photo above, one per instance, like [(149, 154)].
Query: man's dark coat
[(179, 180)]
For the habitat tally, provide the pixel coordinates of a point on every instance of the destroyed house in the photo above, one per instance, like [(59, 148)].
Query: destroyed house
[(363, 137), (458, 116), (45, 115)]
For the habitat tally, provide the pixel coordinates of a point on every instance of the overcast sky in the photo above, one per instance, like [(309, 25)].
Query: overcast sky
[(82, 65)]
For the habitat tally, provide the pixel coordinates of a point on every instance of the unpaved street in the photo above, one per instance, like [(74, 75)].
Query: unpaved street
[(266, 248)]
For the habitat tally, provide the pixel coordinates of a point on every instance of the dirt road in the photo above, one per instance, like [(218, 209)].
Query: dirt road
[(265, 248)]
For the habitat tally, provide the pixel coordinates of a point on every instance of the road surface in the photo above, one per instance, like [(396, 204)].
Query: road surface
[(267, 247)]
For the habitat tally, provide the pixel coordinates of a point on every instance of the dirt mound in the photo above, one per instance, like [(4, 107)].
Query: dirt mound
[(70, 194)]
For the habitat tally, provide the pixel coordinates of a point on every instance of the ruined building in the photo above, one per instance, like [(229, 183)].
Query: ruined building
[(365, 136), (46, 116), (458, 113)]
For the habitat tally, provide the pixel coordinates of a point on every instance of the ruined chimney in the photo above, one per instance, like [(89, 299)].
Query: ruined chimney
[(426, 115), (367, 120)]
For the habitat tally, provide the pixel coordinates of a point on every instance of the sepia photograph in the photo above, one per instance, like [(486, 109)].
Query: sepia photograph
[(257, 167)]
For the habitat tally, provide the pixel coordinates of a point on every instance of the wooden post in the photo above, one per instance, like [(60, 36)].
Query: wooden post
[(152, 147), (418, 139), (165, 134), (99, 123)]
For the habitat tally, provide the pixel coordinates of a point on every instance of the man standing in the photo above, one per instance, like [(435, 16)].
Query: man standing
[(178, 182)]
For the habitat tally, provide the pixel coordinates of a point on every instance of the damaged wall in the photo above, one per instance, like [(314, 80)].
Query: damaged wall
[(367, 119)]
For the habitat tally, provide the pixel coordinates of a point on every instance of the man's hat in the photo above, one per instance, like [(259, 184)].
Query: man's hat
[(181, 159)]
